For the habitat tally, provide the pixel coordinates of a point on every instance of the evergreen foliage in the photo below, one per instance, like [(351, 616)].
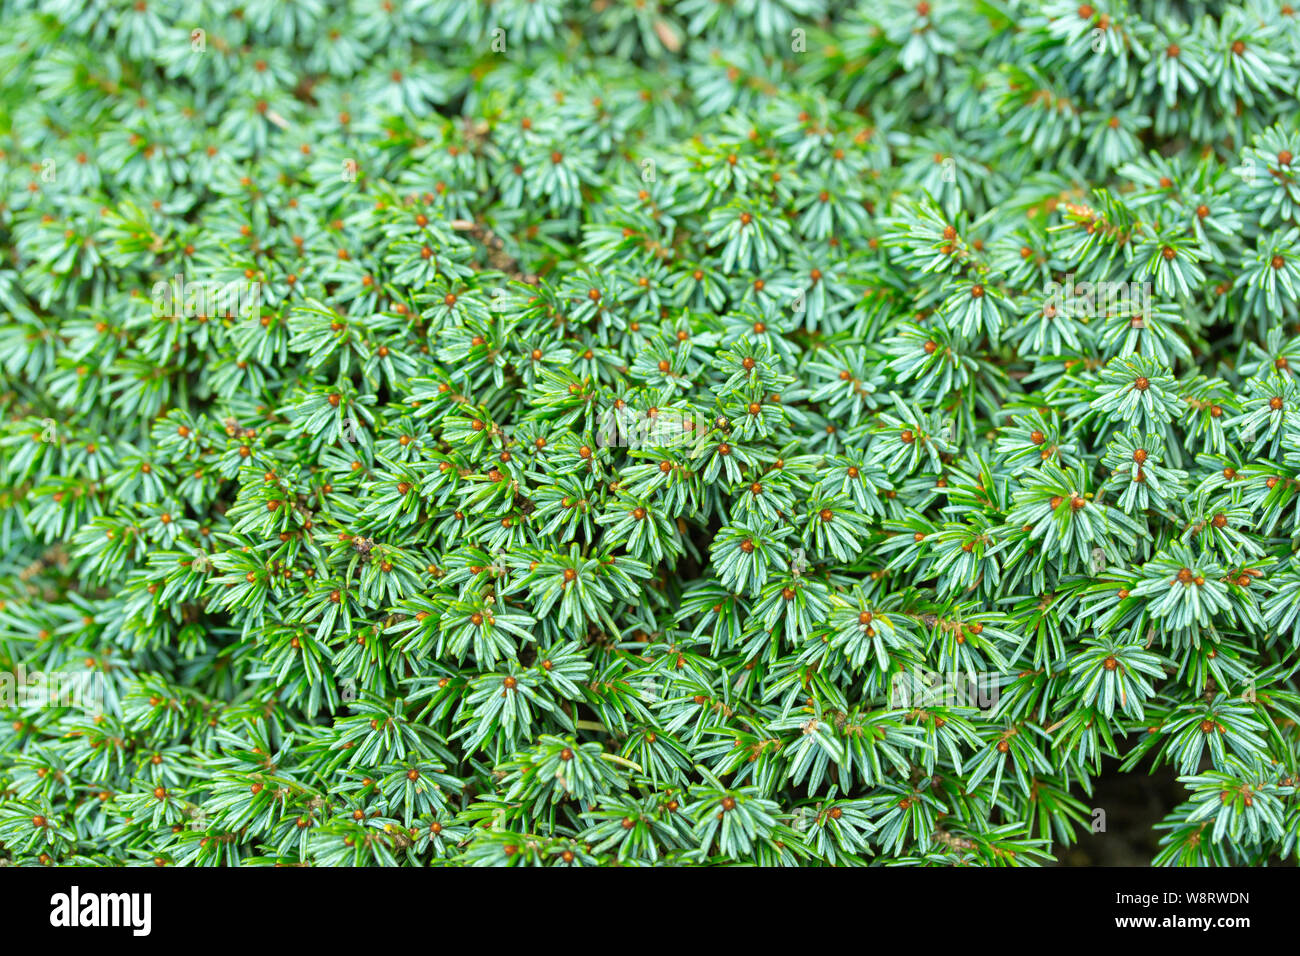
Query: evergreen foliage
[(608, 417)]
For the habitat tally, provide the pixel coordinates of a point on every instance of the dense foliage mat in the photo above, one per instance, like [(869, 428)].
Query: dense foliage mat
[(764, 431)]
